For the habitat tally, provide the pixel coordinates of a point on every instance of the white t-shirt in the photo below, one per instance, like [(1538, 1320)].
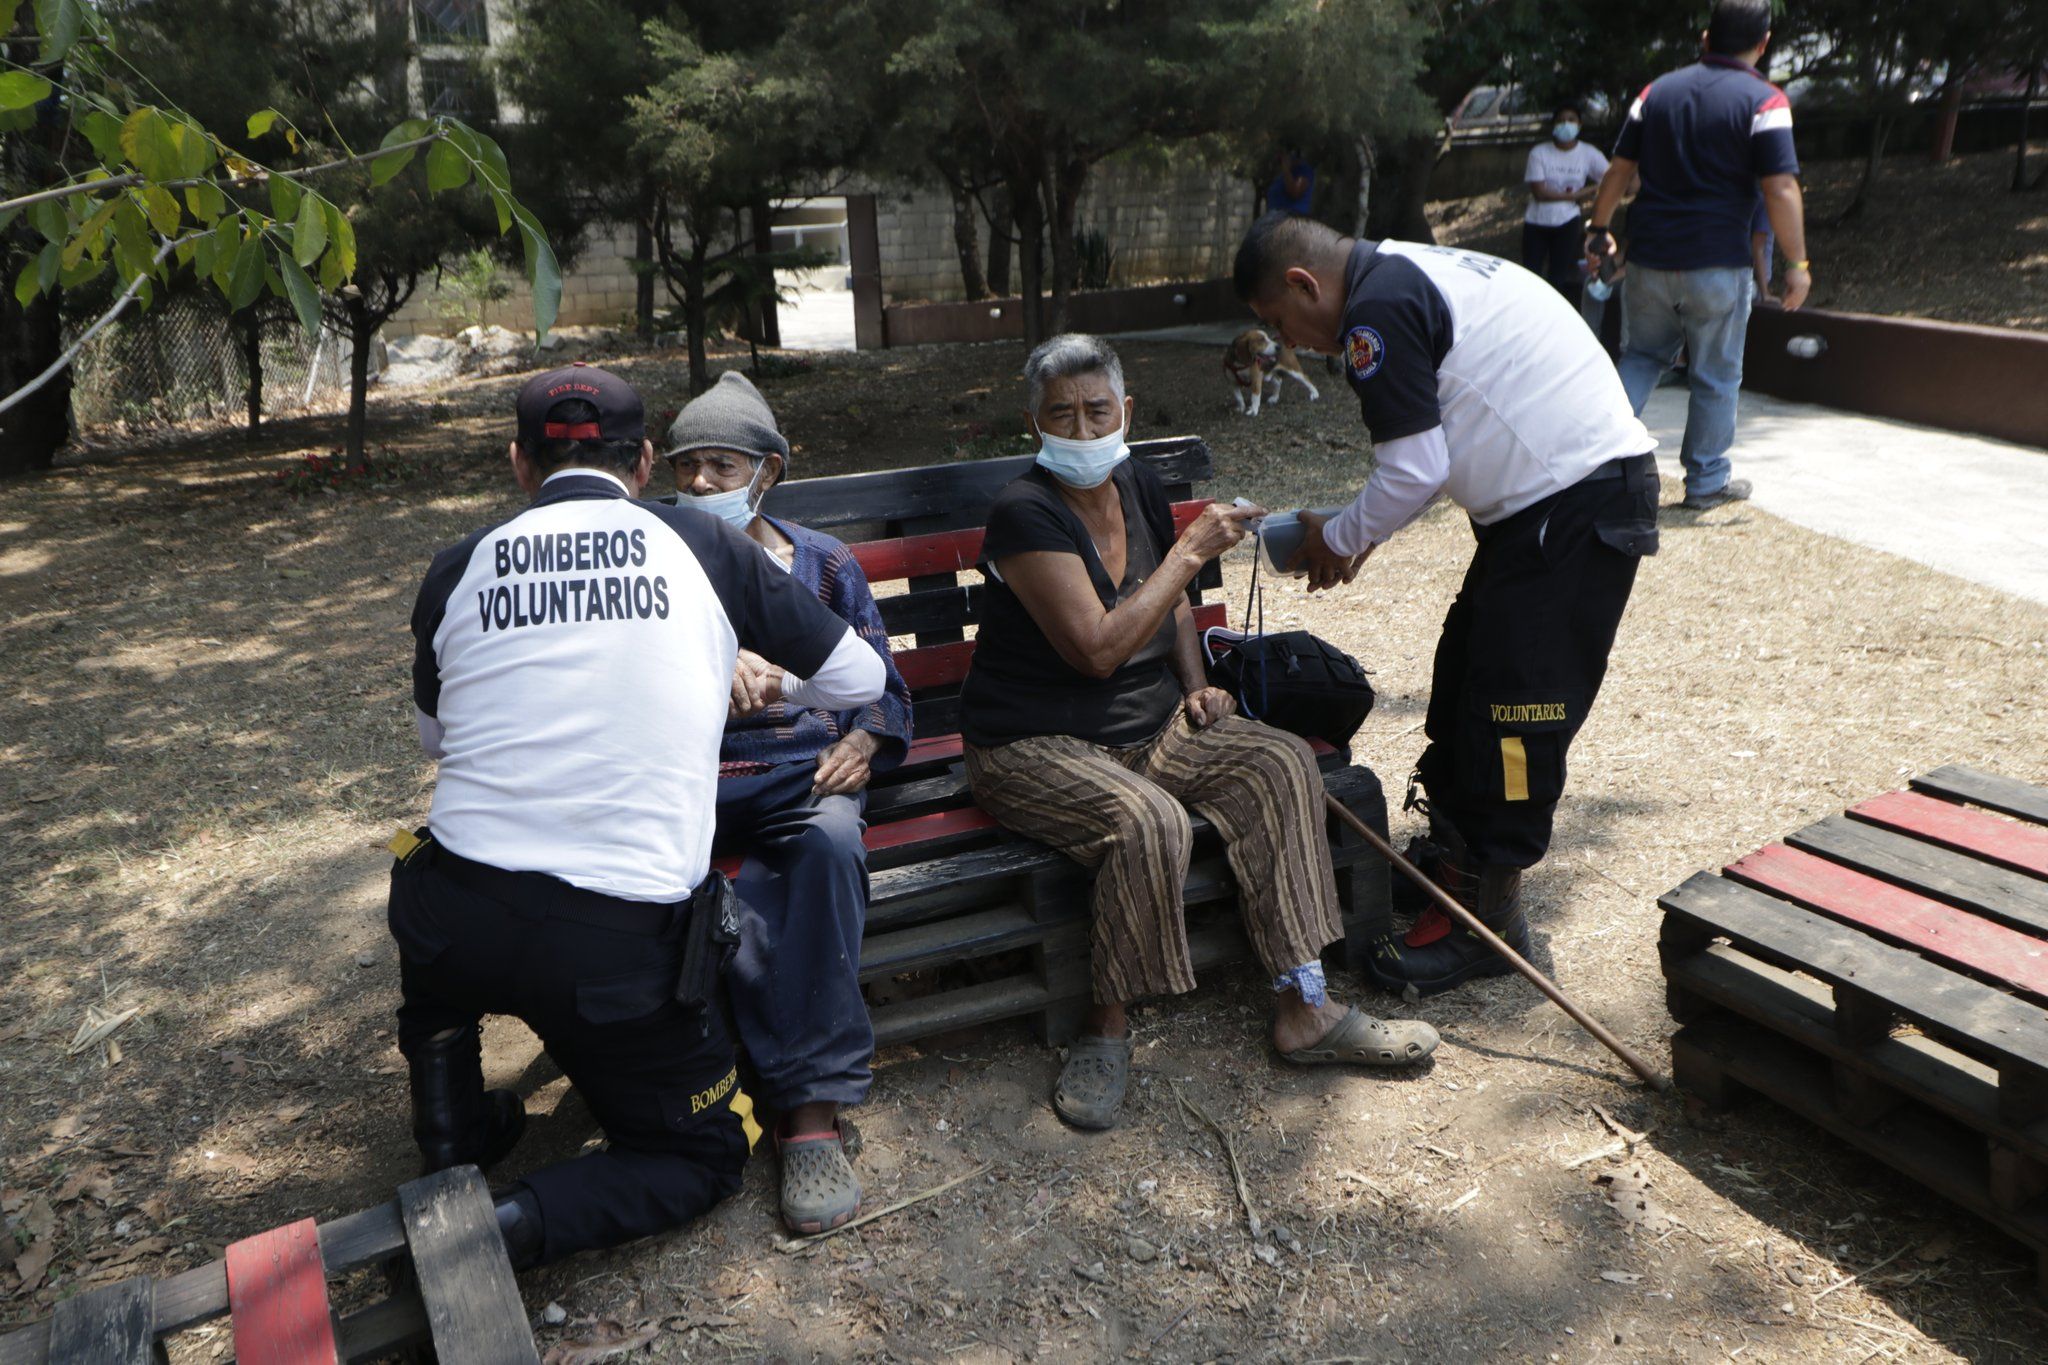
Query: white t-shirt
[(1552, 165), (539, 638), (1437, 338)]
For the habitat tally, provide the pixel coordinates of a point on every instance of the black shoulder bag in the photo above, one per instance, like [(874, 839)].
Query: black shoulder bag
[(1294, 680)]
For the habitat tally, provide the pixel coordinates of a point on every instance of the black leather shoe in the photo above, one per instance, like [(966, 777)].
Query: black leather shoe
[(1438, 953), (519, 1224), (455, 1120)]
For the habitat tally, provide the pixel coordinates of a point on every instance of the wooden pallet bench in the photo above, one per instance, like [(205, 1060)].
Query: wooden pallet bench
[(949, 885), (461, 1298), (1884, 973)]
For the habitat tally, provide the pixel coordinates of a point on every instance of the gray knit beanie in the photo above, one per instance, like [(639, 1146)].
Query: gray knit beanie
[(730, 415)]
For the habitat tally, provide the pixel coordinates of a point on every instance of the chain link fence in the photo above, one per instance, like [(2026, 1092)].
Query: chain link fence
[(183, 363)]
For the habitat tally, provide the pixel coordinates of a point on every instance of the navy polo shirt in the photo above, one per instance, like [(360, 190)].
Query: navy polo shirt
[(1702, 137)]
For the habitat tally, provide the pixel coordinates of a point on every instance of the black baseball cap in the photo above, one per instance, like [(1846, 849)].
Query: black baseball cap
[(620, 416)]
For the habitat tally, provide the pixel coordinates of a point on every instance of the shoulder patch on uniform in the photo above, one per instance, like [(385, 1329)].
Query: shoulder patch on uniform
[(1363, 352)]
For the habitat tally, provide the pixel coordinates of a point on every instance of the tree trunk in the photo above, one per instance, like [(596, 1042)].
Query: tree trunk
[(1068, 179), (693, 317), (1399, 209), (2019, 164), (249, 322), (966, 238), (1001, 220), (1880, 133), (1029, 215), (1945, 121), (643, 273), (362, 330), (35, 429), (1362, 210), (769, 330)]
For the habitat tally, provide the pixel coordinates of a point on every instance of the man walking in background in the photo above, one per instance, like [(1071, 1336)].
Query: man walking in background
[(1705, 139)]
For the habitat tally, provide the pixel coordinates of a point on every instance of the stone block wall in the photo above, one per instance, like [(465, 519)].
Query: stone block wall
[(1162, 223), (596, 292)]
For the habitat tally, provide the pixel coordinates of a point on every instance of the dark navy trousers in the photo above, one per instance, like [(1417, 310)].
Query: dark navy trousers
[(795, 985), (595, 977)]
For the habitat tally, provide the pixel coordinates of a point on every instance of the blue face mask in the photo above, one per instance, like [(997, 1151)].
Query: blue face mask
[(1082, 464), (735, 506), (1565, 132)]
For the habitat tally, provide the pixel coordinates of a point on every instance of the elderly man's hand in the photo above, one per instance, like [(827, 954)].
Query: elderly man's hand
[(1217, 529), (1326, 568), (843, 767), (1207, 705), (756, 683)]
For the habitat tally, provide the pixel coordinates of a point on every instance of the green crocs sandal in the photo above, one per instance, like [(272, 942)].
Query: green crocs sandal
[(1361, 1040), (819, 1189), (1092, 1083)]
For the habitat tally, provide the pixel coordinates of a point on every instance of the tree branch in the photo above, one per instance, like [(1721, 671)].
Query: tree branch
[(122, 182), (58, 365)]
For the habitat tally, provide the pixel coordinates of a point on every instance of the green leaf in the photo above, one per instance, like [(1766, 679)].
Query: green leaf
[(542, 272), (49, 219), (247, 281), (342, 234), (103, 130), (309, 233), (22, 89), (131, 234), (48, 262), (87, 238), (494, 171), (144, 295), (447, 167), (284, 199), (150, 144), (163, 209), (26, 286), (502, 202), (227, 247), (384, 167), (273, 282), (206, 202), (195, 148), (73, 276), (305, 298), (60, 22), (260, 121)]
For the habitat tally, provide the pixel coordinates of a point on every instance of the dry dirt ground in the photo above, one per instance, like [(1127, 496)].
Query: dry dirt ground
[(207, 737), (1948, 241)]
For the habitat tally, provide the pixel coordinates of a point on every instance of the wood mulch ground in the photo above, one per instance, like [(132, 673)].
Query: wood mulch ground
[(207, 738)]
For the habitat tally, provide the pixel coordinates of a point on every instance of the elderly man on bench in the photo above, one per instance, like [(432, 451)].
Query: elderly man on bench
[(1090, 726), (792, 787)]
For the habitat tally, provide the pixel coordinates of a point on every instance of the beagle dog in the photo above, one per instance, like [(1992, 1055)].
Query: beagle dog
[(1257, 364)]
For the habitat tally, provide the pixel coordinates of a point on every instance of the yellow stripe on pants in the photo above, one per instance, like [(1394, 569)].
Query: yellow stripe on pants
[(743, 1104), (1514, 768)]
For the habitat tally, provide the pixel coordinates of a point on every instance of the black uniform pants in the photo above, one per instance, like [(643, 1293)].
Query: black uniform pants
[(1556, 254), (1523, 652), (595, 977)]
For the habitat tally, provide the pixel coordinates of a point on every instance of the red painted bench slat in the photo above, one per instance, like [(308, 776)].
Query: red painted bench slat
[(277, 1291), (2024, 848), (1927, 926), (954, 551), (939, 665), (918, 828)]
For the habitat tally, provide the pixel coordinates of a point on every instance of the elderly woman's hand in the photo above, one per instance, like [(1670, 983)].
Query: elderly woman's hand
[(1217, 529), (1207, 705)]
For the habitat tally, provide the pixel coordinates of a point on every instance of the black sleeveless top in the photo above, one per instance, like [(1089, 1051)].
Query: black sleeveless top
[(1018, 685)]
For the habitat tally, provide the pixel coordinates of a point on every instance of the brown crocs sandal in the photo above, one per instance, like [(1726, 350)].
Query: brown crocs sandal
[(1092, 1083), (819, 1189), (1361, 1040)]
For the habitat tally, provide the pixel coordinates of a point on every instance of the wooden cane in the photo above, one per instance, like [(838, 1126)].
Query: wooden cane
[(1445, 902)]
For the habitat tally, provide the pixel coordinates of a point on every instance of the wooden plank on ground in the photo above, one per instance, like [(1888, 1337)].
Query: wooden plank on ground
[(1993, 838), (1960, 880), (111, 1325), (1980, 946), (28, 1345), (379, 1330), (277, 1292), (1959, 783), (1964, 1013), (465, 1279)]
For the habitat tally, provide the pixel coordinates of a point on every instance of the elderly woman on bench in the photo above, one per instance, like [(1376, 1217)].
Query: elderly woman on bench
[(792, 787), (1090, 726)]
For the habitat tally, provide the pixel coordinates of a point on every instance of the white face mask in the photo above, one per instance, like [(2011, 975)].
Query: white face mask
[(735, 506), (1082, 464)]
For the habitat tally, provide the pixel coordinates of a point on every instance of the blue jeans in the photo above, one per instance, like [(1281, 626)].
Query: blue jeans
[(795, 983), (1706, 311)]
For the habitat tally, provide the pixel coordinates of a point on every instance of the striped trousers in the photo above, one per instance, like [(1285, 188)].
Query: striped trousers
[(1123, 812)]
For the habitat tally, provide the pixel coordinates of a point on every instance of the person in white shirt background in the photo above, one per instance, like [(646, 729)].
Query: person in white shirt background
[(1560, 173)]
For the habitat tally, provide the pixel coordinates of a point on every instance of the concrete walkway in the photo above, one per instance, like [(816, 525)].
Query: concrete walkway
[(1966, 505)]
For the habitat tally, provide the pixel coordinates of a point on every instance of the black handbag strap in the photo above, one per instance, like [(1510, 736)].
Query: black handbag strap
[(1254, 610)]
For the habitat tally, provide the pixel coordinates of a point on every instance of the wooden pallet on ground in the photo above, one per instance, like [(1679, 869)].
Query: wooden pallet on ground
[(1884, 973), (460, 1298)]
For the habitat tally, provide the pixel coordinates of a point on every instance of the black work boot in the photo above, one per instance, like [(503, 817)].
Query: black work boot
[(1438, 953), (519, 1224), (455, 1120)]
